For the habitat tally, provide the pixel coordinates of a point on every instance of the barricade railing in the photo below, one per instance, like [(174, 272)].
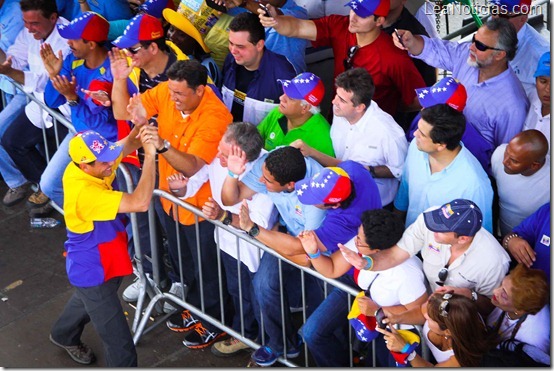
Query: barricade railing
[(157, 296)]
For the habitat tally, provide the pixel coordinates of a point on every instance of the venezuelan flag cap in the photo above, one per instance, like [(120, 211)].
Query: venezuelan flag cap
[(88, 146)]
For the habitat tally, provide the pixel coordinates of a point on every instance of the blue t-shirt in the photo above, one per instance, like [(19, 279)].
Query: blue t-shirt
[(292, 213), (535, 229), (341, 225)]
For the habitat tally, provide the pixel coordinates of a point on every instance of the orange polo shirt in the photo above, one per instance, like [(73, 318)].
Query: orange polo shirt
[(197, 134)]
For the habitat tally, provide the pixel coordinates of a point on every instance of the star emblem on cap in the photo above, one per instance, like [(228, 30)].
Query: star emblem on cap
[(300, 192)]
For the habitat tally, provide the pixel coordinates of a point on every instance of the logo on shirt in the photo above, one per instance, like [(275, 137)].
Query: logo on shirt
[(298, 210), (545, 240), (433, 248), (272, 135)]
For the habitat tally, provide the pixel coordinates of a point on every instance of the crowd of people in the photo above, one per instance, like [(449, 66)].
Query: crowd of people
[(430, 195)]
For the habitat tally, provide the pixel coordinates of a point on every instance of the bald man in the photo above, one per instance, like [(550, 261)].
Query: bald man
[(522, 172)]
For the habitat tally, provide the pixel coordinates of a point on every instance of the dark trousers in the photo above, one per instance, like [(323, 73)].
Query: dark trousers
[(191, 264), (24, 142), (101, 305)]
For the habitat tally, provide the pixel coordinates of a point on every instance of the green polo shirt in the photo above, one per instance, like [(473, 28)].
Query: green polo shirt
[(315, 132)]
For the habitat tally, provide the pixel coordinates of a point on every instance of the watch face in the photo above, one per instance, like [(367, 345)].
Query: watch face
[(254, 231)]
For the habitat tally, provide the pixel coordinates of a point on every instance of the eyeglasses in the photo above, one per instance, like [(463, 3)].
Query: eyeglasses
[(443, 307), (351, 52), (443, 275), (482, 47), (134, 50)]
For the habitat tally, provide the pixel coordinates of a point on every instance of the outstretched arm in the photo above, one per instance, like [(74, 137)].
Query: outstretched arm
[(289, 26)]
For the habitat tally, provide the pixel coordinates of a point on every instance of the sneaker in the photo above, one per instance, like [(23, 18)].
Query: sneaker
[(81, 353), (15, 195), (228, 347), (182, 322), (37, 199), (177, 290), (132, 291), (201, 337), (265, 356)]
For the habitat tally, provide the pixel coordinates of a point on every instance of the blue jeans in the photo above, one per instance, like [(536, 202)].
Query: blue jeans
[(268, 293), (250, 308), (326, 330), (9, 171), (51, 179)]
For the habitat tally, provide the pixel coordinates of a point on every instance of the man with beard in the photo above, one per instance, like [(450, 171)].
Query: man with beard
[(482, 66)]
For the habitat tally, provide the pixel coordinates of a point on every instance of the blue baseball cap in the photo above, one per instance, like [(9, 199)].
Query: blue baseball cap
[(89, 26), (543, 67), (365, 8), (460, 216), (142, 27)]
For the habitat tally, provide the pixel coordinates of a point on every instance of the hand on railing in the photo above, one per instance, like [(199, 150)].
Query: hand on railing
[(119, 64), (236, 162), (65, 87), (52, 63), (178, 184), (211, 209), (137, 110)]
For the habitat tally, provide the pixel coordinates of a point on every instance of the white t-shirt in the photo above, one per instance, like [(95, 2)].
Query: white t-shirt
[(519, 195), (535, 329), (376, 139), (399, 285), (440, 355), (262, 212), (481, 267)]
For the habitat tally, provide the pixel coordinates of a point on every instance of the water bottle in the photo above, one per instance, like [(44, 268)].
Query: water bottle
[(44, 222)]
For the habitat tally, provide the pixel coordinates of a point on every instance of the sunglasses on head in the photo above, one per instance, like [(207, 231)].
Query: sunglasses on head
[(135, 50), (443, 275), (443, 307), (482, 47), (348, 61)]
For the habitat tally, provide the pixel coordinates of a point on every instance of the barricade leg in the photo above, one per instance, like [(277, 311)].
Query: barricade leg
[(8, 170), (51, 179)]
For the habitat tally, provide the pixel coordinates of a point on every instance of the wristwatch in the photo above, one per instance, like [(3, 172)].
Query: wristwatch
[(474, 296), (73, 102), (254, 231), (228, 218), (165, 147)]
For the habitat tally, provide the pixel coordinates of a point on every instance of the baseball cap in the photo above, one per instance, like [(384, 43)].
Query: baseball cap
[(446, 91), (365, 8), (513, 6), (89, 26), (543, 67), (142, 27), (88, 146), (305, 86), (182, 23), (329, 186), (460, 216), (155, 7)]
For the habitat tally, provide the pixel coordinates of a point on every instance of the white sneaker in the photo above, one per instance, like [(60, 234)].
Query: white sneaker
[(177, 290), (131, 293)]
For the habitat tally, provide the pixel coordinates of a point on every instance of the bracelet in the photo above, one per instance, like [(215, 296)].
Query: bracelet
[(411, 357), (369, 264), (233, 175), (405, 348), (315, 255), (223, 217), (508, 238)]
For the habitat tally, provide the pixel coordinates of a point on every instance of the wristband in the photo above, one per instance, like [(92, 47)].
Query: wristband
[(233, 175), (223, 216), (411, 357), (369, 264), (405, 348), (508, 238), (317, 254)]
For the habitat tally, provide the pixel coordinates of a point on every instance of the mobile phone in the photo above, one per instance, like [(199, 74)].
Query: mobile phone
[(399, 38), (379, 317), (264, 8)]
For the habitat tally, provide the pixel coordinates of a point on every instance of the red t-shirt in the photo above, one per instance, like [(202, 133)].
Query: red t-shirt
[(394, 74)]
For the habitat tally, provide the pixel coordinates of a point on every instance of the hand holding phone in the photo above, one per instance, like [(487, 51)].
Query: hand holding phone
[(399, 37), (379, 316), (265, 9)]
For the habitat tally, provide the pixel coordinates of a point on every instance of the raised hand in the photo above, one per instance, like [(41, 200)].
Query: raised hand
[(119, 64), (236, 162), (244, 217), (52, 63), (265, 20), (352, 257), (137, 110), (65, 87)]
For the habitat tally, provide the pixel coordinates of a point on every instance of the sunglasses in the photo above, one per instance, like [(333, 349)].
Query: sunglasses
[(482, 47), (348, 61), (134, 50), (443, 275), (443, 307)]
